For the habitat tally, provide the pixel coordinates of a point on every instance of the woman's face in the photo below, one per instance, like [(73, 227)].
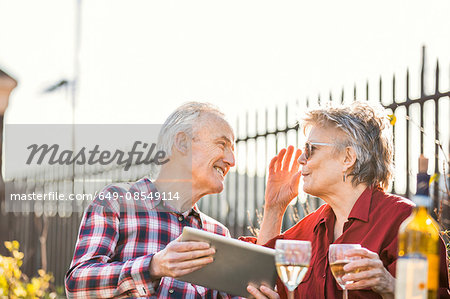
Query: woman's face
[(323, 171)]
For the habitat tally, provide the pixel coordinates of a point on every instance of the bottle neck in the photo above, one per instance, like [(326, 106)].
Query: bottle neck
[(422, 204), (420, 210), (422, 201)]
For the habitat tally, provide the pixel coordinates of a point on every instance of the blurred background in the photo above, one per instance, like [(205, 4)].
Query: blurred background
[(262, 63)]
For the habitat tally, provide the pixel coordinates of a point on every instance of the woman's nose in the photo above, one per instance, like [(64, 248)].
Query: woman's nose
[(302, 159)]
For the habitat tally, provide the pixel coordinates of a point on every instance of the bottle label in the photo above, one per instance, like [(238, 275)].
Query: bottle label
[(412, 276)]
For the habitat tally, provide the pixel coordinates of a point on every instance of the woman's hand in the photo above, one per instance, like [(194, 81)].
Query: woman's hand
[(282, 187), (372, 273), (262, 292), (283, 181)]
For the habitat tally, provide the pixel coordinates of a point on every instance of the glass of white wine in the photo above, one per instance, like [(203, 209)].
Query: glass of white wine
[(292, 259), (338, 259)]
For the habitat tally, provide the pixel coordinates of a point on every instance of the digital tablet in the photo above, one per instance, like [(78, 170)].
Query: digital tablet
[(236, 264)]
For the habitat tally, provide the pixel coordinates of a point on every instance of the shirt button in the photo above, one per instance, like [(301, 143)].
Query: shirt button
[(180, 218), (171, 291), (324, 276)]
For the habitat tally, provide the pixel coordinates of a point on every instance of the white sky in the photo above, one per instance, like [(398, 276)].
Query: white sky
[(141, 59)]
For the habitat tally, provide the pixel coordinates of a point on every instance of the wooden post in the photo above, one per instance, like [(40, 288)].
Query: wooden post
[(7, 85)]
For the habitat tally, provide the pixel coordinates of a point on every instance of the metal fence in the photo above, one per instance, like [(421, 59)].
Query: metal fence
[(422, 127)]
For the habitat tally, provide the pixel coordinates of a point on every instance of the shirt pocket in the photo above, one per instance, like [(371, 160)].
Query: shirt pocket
[(307, 275), (310, 271)]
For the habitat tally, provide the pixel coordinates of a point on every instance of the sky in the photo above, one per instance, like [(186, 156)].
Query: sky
[(138, 60)]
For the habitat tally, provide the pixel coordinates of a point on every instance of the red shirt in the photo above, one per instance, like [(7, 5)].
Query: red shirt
[(373, 222)]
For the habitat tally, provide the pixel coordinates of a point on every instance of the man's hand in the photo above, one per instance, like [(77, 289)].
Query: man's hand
[(180, 258), (372, 274), (283, 180), (263, 292)]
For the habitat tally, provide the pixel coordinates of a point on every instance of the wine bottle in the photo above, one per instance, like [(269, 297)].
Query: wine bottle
[(418, 246)]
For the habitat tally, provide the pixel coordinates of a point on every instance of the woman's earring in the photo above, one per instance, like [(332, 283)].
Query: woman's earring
[(344, 177)]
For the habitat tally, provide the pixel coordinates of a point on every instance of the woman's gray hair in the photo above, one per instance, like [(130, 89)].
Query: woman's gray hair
[(367, 131), (181, 120)]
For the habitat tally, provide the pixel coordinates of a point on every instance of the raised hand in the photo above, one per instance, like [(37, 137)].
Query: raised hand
[(180, 258), (283, 180), (282, 187)]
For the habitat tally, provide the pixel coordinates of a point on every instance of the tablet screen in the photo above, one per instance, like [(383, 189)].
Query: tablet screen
[(236, 264)]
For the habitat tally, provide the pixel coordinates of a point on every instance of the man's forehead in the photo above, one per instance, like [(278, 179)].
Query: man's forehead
[(225, 133), (216, 124)]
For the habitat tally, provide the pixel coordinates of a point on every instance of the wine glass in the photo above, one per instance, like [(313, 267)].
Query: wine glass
[(292, 259), (338, 259)]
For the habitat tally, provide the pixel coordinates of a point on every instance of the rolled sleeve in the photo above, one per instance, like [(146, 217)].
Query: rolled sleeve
[(140, 273), (93, 273)]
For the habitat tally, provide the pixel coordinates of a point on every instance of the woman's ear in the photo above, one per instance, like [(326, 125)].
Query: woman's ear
[(349, 158), (181, 143)]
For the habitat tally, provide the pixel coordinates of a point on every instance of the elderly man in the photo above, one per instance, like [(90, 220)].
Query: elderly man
[(132, 248)]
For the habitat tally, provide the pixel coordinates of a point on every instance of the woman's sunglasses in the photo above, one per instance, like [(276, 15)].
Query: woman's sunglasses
[(309, 146)]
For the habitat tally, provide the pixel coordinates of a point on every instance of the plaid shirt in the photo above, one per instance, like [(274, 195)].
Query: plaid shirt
[(118, 238)]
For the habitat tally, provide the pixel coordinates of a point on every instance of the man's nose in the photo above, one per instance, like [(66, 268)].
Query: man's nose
[(229, 158)]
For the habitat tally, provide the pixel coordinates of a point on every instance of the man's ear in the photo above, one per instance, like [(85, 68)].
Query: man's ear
[(349, 158), (181, 143)]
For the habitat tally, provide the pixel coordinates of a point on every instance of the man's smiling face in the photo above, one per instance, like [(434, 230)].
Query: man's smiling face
[(212, 153)]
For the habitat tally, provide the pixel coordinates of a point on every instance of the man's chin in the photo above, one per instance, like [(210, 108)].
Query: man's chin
[(213, 188), (218, 187)]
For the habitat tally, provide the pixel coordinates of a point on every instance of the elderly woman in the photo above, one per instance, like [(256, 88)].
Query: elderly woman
[(347, 162)]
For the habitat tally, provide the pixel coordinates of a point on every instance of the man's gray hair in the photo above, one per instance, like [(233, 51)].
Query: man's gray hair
[(368, 132), (181, 120)]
